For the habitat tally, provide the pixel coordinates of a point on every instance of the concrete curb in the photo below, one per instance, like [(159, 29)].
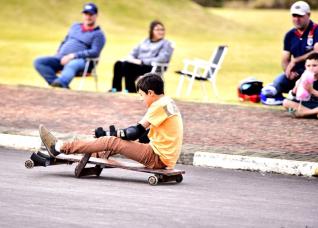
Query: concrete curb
[(255, 164), (204, 159), (20, 142)]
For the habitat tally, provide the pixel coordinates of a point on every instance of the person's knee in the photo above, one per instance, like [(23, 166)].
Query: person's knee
[(71, 69), (76, 64), (37, 63), (118, 63), (283, 84), (286, 103)]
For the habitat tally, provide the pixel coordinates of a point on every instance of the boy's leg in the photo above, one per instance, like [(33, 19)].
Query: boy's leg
[(136, 151), (290, 104), (306, 108)]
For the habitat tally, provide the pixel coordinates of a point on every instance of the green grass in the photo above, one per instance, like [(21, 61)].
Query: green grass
[(31, 28)]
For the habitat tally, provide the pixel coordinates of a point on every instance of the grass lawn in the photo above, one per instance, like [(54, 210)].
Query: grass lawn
[(31, 28)]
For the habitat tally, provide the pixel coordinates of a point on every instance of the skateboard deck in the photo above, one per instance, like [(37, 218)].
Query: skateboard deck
[(42, 158)]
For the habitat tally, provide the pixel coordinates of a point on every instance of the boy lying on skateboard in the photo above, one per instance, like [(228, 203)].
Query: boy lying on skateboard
[(165, 132)]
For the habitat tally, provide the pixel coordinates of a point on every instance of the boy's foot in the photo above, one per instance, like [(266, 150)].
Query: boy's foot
[(296, 113), (49, 140)]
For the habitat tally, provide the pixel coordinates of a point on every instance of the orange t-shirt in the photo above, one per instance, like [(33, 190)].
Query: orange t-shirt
[(166, 130)]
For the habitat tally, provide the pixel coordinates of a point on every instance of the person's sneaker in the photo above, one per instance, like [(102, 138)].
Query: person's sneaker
[(49, 140), (112, 90), (57, 84), (276, 100)]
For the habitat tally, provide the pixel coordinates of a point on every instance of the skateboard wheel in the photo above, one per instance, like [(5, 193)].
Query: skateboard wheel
[(153, 180), (29, 164), (179, 178)]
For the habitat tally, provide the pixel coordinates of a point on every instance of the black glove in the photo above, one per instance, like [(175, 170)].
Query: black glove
[(112, 131), (144, 138), (99, 132)]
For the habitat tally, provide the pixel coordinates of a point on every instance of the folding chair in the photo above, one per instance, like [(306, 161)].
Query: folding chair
[(89, 70), (202, 71)]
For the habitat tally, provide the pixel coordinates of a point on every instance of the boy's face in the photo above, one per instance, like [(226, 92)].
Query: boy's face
[(312, 65), (148, 98)]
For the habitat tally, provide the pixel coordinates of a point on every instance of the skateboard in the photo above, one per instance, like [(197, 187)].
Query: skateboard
[(42, 158)]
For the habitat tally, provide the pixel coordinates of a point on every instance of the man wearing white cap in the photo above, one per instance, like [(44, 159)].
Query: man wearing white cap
[(299, 43)]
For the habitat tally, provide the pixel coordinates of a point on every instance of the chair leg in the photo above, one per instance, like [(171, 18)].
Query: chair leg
[(96, 82), (180, 84), (190, 86), (215, 90), (204, 92), (83, 76), (95, 79)]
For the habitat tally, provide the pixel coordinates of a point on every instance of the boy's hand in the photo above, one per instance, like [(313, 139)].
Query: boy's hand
[(112, 130), (308, 87), (99, 132)]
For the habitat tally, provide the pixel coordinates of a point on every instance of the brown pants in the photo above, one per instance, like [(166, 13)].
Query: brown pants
[(110, 145)]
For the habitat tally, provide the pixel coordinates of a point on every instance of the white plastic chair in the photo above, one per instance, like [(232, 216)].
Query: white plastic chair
[(202, 71), (159, 68)]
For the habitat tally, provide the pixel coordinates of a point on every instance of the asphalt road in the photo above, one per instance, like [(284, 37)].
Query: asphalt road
[(53, 197)]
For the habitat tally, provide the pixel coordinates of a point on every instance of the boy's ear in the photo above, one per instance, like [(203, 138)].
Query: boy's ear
[(150, 92)]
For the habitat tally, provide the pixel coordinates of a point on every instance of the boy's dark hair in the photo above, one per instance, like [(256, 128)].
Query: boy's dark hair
[(150, 81), (152, 25), (313, 56)]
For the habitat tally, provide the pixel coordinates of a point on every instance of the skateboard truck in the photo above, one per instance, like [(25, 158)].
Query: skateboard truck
[(81, 171), (41, 159)]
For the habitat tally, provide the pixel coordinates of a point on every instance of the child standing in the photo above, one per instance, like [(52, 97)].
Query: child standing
[(165, 132), (310, 107)]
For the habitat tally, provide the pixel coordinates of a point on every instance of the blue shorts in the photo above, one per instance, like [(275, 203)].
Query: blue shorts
[(311, 104)]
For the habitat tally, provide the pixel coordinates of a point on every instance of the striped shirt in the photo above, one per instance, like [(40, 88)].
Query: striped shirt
[(148, 51), (82, 43)]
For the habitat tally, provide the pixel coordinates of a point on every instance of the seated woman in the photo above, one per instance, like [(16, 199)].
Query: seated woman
[(155, 48)]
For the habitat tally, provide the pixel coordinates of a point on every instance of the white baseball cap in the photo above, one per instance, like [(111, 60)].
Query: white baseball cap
[(300, 8)]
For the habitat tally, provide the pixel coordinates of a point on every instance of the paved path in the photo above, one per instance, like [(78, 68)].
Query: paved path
[(53, 197)]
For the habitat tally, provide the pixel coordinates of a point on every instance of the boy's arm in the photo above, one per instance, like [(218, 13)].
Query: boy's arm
[(311, 90), (130, 133), (294, 90), (144, 123)]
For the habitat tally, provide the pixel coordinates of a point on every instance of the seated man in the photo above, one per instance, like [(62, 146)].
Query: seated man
[(299, 43), (163, 119), (84, 40)]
